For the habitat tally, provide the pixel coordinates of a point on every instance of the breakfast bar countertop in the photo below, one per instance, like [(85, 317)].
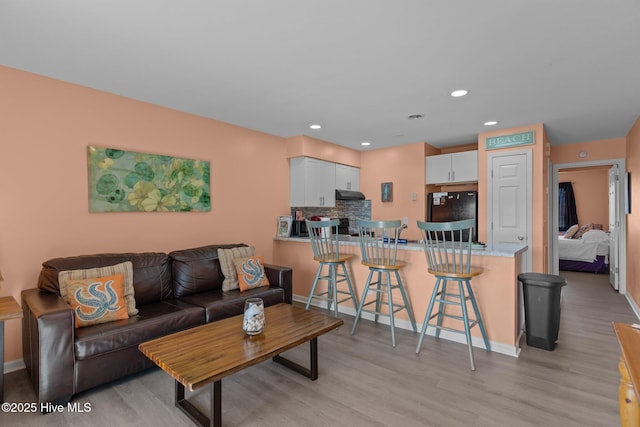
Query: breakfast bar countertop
[(508, 250), (497, 288)]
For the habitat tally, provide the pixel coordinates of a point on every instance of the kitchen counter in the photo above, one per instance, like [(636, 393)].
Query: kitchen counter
[(508, 250), (497, 289)]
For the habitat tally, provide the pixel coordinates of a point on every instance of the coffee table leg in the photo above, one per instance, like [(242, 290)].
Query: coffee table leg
[(309, 373), (194, 413)]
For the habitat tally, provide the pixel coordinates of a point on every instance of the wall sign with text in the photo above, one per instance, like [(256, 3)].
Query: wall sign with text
[(513, 140)]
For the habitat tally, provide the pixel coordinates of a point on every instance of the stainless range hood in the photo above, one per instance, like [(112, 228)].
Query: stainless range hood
[(349, 195)]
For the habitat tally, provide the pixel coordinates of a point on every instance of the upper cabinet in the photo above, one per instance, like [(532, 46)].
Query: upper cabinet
[(347, 178), (453, 168), (312, 182)]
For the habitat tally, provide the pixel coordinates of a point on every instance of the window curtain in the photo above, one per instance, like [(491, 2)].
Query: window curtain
[(567, 215)]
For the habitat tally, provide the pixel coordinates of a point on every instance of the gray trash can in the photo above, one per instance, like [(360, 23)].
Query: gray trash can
[(542, 308)]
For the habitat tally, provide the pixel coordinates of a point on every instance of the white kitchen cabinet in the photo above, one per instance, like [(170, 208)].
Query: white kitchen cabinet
[(312, 182), (452, 168), (347, 178)]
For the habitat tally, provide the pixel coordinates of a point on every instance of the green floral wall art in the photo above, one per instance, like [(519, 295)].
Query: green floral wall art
[(127, 181)]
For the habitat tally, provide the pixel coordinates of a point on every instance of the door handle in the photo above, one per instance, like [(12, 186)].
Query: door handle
[(520, 237)]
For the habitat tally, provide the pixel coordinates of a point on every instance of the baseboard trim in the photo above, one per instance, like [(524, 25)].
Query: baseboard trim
[(496, 347), (14, 365), (633, 305)]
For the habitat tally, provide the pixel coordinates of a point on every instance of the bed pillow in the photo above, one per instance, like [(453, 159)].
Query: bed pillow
[(571, 231), (595, 236), (581, 231)]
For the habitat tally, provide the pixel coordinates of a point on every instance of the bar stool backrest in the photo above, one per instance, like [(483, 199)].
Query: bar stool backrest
[(379, 241), (324, 238), (444, 247)]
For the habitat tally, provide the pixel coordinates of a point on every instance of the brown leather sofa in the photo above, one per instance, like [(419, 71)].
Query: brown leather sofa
[(173, 292)]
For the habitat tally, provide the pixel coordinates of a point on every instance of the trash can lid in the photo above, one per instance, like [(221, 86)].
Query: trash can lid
[(542, 279)]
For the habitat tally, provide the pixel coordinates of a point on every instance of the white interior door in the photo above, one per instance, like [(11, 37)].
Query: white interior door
[(614, 203), (510, 203)]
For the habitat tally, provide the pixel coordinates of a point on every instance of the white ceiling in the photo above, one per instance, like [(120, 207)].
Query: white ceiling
[(357, 67)]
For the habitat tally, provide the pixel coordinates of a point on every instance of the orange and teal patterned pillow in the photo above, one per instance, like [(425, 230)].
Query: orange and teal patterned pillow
[(95, 300), (250, 272), (126, 268), (226, 257)]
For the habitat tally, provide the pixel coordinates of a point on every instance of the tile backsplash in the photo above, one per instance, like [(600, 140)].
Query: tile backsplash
[(352, 209)]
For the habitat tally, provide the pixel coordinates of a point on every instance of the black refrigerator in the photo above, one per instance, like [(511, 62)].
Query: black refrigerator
[(447, 206)]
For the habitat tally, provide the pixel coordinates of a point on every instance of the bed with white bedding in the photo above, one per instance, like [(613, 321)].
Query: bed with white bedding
[(588, 253)]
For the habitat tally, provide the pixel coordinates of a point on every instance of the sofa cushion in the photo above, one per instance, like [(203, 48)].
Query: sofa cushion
[(250, 272), (220, 305), (153, 320), (197, 270), (95, 300), (124, 268), (228, 267), (151, 273)]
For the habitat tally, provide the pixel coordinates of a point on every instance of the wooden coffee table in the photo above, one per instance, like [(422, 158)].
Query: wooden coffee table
[(206, 354)]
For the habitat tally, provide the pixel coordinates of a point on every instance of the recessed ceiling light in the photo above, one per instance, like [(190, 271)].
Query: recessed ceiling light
[(365, 143), (415, 116), (458, 93), (490, 123), (315, 127)]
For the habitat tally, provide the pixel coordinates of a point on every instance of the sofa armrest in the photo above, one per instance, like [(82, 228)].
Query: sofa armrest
[(281, 277), (48, 345)]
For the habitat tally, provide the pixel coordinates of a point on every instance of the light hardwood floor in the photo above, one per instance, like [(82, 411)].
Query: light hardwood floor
[(365, 382)]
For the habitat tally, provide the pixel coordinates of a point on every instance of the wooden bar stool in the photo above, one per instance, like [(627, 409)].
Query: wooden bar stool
[(447, 246), (379, 246), (326, 250)]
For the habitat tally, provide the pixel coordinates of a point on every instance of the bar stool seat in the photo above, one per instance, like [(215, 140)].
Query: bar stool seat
[(379, 245), (326, 250), (447, 247)]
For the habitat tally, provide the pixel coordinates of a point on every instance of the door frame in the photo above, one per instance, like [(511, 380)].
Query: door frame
[(527, 256), (622, 240)]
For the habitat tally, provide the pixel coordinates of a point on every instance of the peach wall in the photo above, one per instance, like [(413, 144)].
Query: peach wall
[(538, 243), (404, 166), (604, 149), (633, 219), (591, 190), (303, 145), (495, 289), (46, 127)]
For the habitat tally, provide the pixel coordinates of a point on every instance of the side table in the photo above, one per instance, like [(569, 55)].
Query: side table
[(629, 367), (9, 309)]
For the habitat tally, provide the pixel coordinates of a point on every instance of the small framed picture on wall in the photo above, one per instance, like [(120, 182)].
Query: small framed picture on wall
[(387, 191)]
